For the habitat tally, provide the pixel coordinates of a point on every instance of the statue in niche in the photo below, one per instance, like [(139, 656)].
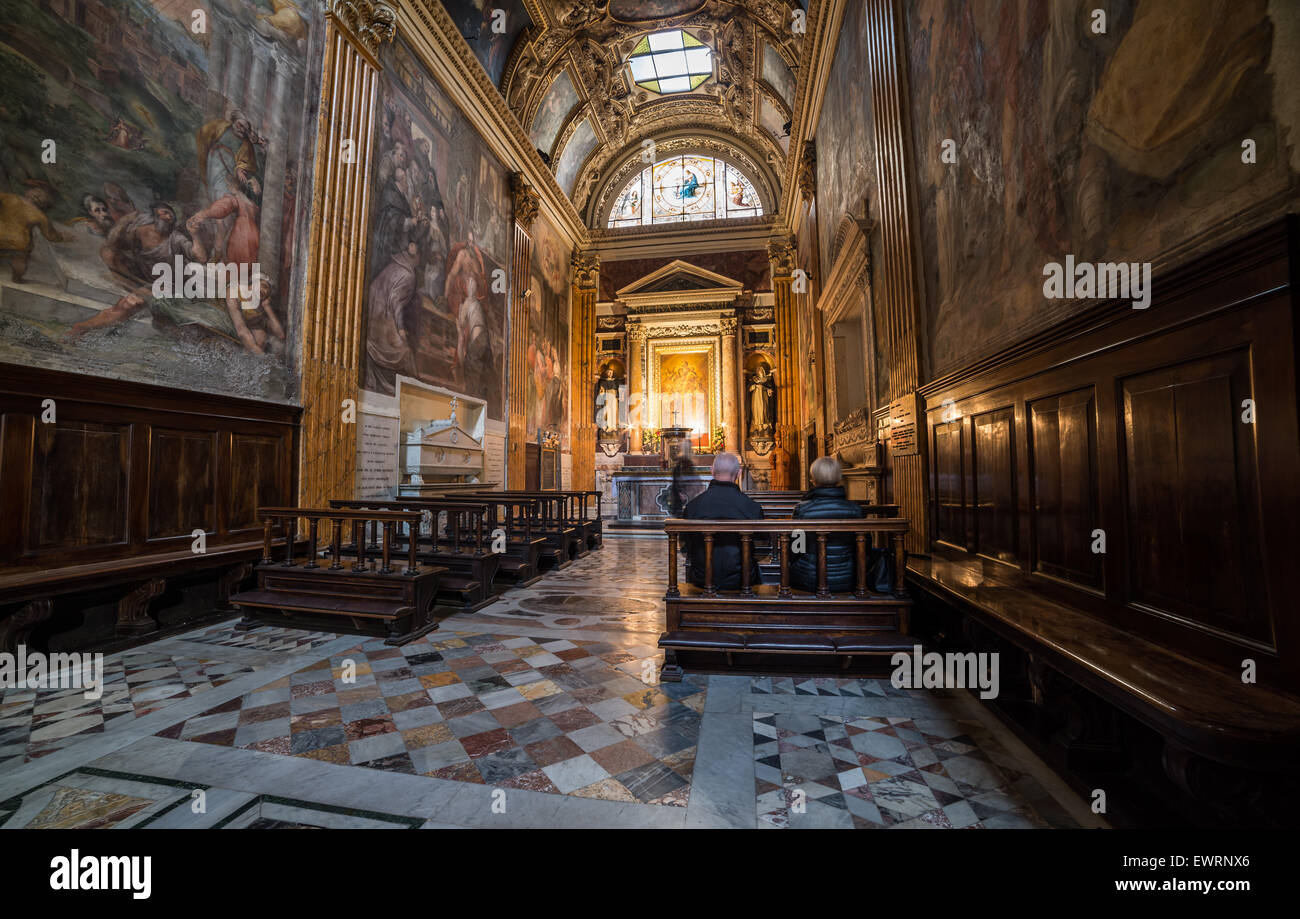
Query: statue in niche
[(607, 402), (762, 398)]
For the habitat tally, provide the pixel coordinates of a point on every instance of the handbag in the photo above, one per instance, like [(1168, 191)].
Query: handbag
[(880, 572)]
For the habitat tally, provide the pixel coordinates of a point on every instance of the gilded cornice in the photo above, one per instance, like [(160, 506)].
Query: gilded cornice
[(825, 18)]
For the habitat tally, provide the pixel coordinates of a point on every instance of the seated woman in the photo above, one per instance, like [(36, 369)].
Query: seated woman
[(826, 501)]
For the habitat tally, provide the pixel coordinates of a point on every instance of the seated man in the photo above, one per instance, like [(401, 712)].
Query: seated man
[(722, 500), (826, 501)]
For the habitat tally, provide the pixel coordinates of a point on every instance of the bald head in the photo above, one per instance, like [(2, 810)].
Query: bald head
[(825, 471), (726, 467)]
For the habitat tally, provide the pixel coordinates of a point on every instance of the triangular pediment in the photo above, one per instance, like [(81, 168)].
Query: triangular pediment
[(679, 276)]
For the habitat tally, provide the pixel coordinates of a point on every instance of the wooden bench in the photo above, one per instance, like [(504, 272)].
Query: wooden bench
[(775, 619), (1071, 677), (465, 551), (520, 564), (366, 598), (781, 504), (564, 539), (27, 595)]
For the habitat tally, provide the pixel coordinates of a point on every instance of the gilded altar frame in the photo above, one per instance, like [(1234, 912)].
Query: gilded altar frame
[(658, 348)]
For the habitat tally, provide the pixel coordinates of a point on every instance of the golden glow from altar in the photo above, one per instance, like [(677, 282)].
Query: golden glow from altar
[(685, 388)]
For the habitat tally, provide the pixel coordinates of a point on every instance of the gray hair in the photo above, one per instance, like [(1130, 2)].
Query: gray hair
[(825, 472), (726, 467)]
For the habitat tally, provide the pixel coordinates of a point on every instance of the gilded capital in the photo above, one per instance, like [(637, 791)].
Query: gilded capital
[(635, 332), (808, 170), (782, 255), (586, 266), (370, 22), (729, 325), (526, 200)]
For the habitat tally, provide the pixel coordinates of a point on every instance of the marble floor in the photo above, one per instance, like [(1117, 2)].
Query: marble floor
[(541, 710)]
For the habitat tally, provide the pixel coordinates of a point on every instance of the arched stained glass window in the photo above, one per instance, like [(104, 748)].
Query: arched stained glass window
[(683, 188)]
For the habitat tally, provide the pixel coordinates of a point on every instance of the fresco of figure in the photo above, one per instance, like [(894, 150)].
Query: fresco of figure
[(230, 168), (466, 288), (133, 247), (762, 395), (388, 347), (19, 214)]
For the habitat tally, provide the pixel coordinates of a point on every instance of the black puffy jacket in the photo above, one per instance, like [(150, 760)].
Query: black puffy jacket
[(720, 501), (826, 503)]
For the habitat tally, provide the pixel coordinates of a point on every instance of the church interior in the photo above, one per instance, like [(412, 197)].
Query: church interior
[(366, 367)]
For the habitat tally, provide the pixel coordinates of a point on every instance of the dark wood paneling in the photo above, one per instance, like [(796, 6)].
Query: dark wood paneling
[(993, 472), (1063, 487), (129, 470), (182, 483), (1130, 422), (949, 484), (256, 467), (1193, 493), (79, 479)]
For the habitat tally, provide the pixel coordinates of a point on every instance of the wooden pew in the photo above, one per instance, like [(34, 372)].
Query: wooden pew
[(465, 549), (521, 562), (592, 521), (366, 598), (766, 620), (564, 540), (1229, 745), (781, 504)]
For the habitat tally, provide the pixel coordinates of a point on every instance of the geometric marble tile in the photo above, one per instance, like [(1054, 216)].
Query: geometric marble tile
[(37, 722), (827, 770), (562, 716)]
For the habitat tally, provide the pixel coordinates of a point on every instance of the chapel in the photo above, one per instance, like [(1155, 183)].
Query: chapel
[(790, 414)]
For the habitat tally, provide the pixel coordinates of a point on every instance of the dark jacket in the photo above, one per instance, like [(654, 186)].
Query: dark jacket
[(826, 503), (720, 501)]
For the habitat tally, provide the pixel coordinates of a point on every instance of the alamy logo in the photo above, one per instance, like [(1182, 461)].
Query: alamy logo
[(932, 670), (103, 872), (1086, 280), (61, 670), (216, 281)]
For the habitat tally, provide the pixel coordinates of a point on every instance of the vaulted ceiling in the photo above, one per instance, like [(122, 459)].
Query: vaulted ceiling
[(568, 83)]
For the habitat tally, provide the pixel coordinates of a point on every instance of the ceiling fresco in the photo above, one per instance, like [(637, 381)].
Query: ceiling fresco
[(569, 82)]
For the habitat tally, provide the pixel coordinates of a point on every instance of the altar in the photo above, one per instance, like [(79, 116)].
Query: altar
[(642, 487)]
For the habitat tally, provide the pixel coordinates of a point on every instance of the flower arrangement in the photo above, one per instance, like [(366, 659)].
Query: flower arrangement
[(650, 440), (719, 440)]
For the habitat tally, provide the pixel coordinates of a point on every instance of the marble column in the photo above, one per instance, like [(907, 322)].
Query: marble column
[(582, 377), (637, 408), (526, 201), (334, 291), (730, 401)]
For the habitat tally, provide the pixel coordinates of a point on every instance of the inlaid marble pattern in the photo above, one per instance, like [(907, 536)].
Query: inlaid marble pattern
[(263, 638), (108, 799), (550, 693), (868, 773), (35, 723), (578, 717)]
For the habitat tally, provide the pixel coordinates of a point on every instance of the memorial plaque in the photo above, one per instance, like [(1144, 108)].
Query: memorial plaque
[(902, 427), (377, 456)]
